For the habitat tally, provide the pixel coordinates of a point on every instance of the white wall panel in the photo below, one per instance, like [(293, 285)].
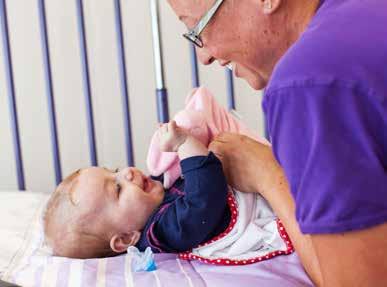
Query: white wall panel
[(7, 163), (67, 84), (30, 93)]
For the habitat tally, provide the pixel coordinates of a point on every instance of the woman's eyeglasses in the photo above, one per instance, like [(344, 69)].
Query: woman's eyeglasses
[(193, 35)]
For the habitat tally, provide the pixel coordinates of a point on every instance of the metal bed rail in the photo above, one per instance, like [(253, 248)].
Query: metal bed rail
[(161, 92)]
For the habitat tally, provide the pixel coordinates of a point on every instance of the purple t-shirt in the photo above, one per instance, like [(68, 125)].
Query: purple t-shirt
[(326, 108)]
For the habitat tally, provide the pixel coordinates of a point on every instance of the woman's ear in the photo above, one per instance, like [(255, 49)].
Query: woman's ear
[(120, 242), (270, 6)]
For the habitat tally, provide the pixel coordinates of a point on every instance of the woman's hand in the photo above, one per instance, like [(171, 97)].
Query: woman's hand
[(249, 165)]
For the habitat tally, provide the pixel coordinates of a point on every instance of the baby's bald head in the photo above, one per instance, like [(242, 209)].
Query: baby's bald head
[(65, 226)]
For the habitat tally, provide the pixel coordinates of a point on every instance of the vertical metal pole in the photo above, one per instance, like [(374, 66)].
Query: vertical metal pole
[(161, 91), (230, 89), (11, 95), (50, 90), (194, 66), (265, 124), (86, 82), (124, 84)]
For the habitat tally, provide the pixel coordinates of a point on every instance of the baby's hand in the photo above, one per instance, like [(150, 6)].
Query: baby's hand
[(171, 136)]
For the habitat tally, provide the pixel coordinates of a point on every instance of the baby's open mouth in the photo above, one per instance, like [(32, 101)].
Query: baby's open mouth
[(146, 184)]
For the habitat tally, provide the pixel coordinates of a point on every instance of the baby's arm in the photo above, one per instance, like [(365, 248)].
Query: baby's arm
[(177, 139), (198, 215), (202, 212)]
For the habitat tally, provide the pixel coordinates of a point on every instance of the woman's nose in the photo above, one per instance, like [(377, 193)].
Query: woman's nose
[(204, 57)]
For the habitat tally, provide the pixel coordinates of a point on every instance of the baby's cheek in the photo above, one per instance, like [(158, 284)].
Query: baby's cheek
[(142, 215), (150, 205), (142, 204)]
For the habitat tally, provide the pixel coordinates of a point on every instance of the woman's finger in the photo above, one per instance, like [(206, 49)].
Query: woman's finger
[(213, 145), (223, 137), (216, 147)]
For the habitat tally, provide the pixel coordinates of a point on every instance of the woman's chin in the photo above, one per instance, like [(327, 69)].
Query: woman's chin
[(256, 83)]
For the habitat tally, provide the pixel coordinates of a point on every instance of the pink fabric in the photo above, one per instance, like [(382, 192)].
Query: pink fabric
[(282, 271), (205, 119)]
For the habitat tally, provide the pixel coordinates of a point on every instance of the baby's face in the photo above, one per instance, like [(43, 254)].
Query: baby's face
[(121, 200)]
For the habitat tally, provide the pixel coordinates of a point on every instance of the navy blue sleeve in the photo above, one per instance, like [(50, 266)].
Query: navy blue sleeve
[(192, 218)]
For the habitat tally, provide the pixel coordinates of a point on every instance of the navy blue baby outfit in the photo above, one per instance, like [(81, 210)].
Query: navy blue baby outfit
[(193, 211)]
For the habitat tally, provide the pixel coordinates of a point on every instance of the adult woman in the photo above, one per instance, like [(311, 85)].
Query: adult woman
[(326, 105)]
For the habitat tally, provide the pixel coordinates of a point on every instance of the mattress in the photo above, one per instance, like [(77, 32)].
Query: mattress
[(17, 211)]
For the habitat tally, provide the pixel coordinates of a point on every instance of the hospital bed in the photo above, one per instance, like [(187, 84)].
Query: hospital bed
[(20, 210)]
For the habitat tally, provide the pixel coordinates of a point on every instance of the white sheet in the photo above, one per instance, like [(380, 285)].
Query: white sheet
[(17, 210)]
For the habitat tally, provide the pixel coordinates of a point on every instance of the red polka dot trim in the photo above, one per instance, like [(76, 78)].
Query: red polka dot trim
[(188, 255)]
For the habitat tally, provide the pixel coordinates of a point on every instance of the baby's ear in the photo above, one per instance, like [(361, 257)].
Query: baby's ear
[(120, 242)]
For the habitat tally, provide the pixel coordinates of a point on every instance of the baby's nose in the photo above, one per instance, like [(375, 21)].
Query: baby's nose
[(131, 174), (124, 173)]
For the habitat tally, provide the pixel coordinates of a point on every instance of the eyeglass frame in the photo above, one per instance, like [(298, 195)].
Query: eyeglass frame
[(193, 35)]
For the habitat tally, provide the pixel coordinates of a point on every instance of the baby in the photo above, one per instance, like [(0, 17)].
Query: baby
[(96, 212)]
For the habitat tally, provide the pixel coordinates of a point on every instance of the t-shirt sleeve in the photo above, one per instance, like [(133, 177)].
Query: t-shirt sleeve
[(192, 218), (331, 141)]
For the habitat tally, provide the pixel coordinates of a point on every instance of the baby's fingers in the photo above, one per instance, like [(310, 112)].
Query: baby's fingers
[(164, 128), (172, 126)]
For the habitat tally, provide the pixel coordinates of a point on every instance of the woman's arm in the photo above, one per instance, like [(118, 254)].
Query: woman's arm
[(280, 199), (251, 167), (347, 259), (344, 259)]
